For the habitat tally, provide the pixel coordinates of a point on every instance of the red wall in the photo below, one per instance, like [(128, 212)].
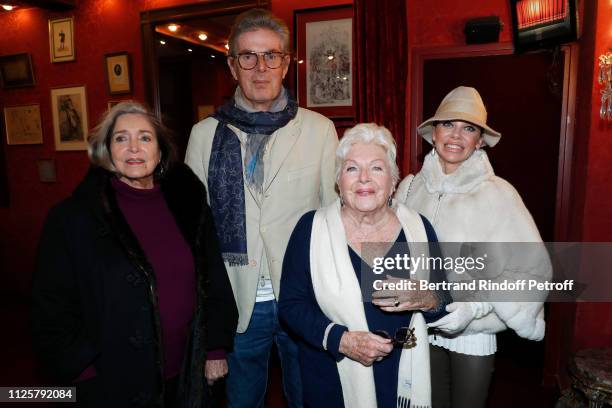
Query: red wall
[(100, 27), (594, 321)]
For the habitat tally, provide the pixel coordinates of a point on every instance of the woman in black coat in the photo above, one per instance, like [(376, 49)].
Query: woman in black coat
[(131, 299)]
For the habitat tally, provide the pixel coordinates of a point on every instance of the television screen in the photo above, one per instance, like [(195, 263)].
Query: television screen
[(543, 23)]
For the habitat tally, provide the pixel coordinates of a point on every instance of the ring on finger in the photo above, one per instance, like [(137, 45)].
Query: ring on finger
[(396, 303)]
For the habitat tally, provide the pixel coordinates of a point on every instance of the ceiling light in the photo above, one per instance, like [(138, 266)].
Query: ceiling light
[(8, 7), (172, 27), (189, 49), (226, 46), (162, 42), (330, 57), (300, 61), (202, 37)]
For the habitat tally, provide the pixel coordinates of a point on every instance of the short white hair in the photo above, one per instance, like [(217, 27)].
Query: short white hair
[(368, 133)]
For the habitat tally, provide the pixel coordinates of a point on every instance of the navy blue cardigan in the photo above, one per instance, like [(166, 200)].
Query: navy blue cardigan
[(306, 322)]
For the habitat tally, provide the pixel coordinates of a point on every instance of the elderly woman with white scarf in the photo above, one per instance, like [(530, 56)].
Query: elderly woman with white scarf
[(347, 356), (467, 203)]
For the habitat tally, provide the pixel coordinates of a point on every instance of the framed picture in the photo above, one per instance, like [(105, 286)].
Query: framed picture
[(118, 78), (61, 39), (69, 110), (325, 60), (16, 71), (23, 125), (46, 170)]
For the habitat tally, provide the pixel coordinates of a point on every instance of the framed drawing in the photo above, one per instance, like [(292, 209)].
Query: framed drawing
[(118, 78), (23, 125), (325, 60), (16, 71), (61, 39), (69, 111)]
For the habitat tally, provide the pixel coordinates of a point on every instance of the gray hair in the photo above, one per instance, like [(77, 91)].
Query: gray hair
[(256, 19), (99, 139), (368, 133)]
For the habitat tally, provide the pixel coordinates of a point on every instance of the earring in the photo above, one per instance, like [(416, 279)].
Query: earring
[(390, 201), (341, 201)]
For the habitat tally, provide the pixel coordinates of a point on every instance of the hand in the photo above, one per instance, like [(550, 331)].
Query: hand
[(404, 300), (364, 347), (460, 315), (215, 370)]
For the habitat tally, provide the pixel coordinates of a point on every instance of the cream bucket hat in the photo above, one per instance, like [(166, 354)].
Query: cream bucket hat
[(465, 104)]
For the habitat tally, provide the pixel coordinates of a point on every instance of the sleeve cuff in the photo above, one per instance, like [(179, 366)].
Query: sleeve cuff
[(216, 354), (333, 341)]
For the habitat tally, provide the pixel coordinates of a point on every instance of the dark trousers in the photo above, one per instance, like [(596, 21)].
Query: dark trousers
[(459, 380)]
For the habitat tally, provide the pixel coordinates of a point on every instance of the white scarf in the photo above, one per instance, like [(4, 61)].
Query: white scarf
[(338, 294)]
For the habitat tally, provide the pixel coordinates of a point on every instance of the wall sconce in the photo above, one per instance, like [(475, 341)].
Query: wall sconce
[(605, 79)]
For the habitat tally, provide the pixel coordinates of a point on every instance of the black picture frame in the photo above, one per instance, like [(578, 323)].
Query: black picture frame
[(16, 71)]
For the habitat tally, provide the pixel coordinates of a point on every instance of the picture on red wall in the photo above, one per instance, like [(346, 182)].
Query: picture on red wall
[(325, 69), (16, 71), (69, 110), (118, 78), (61, 39)]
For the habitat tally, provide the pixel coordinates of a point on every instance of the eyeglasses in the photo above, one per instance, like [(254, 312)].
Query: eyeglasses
[(404, 337), (249, 60)]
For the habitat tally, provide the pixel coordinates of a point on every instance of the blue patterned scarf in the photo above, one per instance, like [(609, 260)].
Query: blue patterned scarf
[(225, 179)]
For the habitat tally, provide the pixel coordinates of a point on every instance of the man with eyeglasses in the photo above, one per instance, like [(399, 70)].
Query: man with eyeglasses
[(264, 162)]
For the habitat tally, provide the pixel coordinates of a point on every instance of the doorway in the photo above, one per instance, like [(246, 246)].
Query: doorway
[(528, 100)]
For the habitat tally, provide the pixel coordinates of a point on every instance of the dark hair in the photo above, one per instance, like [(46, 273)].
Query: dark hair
[(256, 19), (100, 138)]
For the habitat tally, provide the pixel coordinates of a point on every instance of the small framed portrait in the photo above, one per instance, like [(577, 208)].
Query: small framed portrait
[(118, 76), (61, 39), (325, 60), (23, 125), (69, 110), (16, 71)]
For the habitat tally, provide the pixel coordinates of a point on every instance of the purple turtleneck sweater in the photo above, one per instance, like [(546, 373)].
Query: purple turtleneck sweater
[(169, 254)]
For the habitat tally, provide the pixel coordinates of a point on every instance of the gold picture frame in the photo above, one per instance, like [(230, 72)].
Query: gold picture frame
[(23, 124), (69, 112), (118, 75), (61, 39)]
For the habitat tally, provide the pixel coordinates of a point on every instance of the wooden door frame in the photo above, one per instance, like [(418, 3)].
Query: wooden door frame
[(568, 114), (150, 18)]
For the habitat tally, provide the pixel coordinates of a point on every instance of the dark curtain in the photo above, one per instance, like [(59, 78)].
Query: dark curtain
[(382, 65)]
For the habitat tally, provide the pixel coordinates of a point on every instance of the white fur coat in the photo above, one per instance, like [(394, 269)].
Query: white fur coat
[(472, 204)]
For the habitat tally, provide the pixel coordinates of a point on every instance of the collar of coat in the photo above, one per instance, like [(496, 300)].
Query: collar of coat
[(182, 190), (468, 175)]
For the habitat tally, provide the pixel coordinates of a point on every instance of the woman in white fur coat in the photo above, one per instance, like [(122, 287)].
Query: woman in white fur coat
[(466, 202)]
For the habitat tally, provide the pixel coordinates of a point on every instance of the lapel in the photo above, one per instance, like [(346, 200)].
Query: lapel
[(285, 140)]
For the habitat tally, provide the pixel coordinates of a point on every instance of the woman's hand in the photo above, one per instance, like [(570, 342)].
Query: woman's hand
[(404, 300), (215, 370), (364, 347)]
